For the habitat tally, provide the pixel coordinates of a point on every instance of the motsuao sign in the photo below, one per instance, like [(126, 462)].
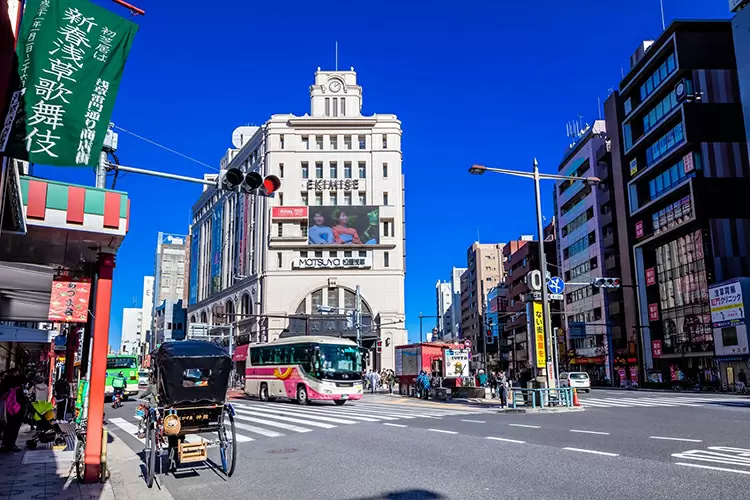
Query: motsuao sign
[(332, 263)]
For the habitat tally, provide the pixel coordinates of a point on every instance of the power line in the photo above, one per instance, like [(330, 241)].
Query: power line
[(165, 147)]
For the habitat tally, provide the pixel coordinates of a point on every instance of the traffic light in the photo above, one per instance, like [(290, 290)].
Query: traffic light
[(233, 179), (607, 283), (379, 346)]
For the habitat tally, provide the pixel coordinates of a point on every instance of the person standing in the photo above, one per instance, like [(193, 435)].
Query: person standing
[(502, 389), (15, 408), (61, 391)]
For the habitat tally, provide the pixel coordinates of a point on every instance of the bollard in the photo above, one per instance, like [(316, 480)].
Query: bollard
[(103, 458)]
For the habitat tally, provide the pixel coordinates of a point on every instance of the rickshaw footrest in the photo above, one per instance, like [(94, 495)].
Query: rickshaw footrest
[(192, 452)]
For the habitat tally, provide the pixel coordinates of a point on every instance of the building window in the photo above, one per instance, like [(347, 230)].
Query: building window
[(281, 170), (305, 142), (386, 259), (363, 253), (385, 141), (319, 142), (318, 169), (362, 198), (333, 169), (347, 142), (658, 76), (316, 299), (347, 253), (347, 198), (281, 141), (347, 170), (305, 170), (304, 197), (334, 197), (318, 198), (343, 106), (333, 254), (665, 144), (386, 228), (362, 170), (303, 253), (279, 261), (334, 142), (333, 297), (335, 107), (303, 228), (319, 253), (361, 139), (671, 177), (279, 229), (385, 198), (328, 106), (385, 170)]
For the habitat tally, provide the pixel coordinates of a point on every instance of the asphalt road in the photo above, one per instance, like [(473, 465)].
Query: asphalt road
[(644, 452)]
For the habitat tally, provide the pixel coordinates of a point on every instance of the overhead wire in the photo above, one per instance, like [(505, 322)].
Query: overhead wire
[(165, 148)]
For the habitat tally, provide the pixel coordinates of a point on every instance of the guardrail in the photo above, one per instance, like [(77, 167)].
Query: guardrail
[(542, 398)]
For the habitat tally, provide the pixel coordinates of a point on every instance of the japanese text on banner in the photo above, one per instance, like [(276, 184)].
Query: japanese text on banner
[(541, 348)]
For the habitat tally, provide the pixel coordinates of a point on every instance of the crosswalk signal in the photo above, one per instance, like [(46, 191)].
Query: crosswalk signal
[(233, 179), (607, 283), (379, 346)]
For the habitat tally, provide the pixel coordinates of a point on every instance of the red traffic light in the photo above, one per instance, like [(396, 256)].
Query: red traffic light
[(379, 345), (271, 184)]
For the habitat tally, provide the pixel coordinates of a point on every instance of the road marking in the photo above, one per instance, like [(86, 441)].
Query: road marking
[(506, 440), (590, 432), (295, 413), (665, 438), (474, 421), (271, 423), (527, 426), (126, 426), (394, 425), (606, 454), (443, 431), (722, 469), (260, 430), (270, 419)]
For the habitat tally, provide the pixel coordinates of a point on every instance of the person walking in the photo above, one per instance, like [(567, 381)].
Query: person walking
[(61, 391), (12, 393)]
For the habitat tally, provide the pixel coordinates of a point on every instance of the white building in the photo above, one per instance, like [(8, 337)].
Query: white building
[(449, 305), (262, 256), (132, 319), (148, 308), (443, 300)]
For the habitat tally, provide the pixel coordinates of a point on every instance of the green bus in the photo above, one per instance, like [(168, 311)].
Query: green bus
[(128, 365)]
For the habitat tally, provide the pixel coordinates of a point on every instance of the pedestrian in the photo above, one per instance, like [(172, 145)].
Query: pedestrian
[(482, 378), (61, 391), (742, 377), (493, 384), (41, 389), (502, 387), (11, 391)]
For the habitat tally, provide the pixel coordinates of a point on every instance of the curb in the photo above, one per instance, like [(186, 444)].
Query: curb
[(542, 410), (624, 389)]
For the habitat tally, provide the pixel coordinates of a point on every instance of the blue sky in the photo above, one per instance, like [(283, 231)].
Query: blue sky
[(493, 82)]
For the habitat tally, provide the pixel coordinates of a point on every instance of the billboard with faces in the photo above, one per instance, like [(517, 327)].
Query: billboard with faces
[(343, 225)]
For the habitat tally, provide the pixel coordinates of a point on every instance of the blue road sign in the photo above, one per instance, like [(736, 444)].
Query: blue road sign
[(556, 285)]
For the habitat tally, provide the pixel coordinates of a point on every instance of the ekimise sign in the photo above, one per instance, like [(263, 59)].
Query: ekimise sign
[(71, 55)]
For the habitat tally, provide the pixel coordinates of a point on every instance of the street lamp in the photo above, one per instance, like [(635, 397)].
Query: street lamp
[(537, 176)]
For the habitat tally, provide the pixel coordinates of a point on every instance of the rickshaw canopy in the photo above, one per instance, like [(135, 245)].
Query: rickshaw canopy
[(191, 372)]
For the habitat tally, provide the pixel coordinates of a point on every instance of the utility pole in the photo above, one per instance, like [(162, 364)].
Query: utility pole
[(543, 269), (483, 326)]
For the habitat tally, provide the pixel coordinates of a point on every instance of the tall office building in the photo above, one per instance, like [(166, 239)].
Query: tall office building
[(741, 36), (336, 223), (484, 270), (679, 152), (443, 302)]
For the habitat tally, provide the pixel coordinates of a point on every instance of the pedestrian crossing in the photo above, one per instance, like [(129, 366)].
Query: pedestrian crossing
[(256, 420), (660, 402)]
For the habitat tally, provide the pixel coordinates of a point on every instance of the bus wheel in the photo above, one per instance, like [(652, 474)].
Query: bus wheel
[(302, 395), (339, 402), (263, 396)]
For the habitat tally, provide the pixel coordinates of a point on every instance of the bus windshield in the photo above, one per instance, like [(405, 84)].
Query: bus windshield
[(339, 359), (122, 362)]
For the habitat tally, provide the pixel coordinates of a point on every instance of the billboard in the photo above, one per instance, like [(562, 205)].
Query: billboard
[(195, 240), (217, 219), (343, 225), (456, 363), (285, 212), (69, 300)]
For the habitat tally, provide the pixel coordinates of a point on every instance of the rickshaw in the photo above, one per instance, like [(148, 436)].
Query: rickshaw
[(192, 378)]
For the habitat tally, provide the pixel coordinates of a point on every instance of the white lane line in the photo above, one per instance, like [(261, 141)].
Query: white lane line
[(505, 440), (270, 419), (259, 430), (474, 421), (443, 431), (394, 425), (271, 423), (722, 469), (580, 431), (526, 426), (665, 438), (581, 450)]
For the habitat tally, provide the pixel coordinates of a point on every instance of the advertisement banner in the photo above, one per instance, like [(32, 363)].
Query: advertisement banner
[(650, 276), (639, 229), (71, 56), (541, 348), (653, 312), (69, 301), (217, 220), (656, 348), (289, 212), (344, 225), (727, 308), (195, 245), (456, 363)]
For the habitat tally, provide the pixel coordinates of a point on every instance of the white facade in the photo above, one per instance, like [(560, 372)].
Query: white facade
[(331, 157), (444, 301), (132, 319), (148, 307)]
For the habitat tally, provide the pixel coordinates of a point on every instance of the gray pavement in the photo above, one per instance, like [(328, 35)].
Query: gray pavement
[(644, 452)]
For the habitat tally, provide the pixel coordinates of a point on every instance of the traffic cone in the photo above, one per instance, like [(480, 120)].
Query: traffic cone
[(575, 398)]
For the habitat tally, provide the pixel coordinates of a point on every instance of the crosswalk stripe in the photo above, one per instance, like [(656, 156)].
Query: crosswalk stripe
[(415, 410), (271, 420), (324, 413), (401, 412), (128, 427), (297, 413), (261, 430), (349, 412)]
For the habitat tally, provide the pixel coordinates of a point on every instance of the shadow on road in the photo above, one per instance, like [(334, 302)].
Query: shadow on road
[(733, 404), (405, 495)]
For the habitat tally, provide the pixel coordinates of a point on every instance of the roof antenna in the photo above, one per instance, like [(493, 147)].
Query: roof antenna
[(337, 55)]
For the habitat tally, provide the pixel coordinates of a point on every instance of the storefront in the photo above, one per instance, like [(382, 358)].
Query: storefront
[(595, 366), (239, 356), (728, 314), (626, 371)]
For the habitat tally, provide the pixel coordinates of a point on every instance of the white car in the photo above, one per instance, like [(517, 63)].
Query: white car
[(578, 380), (143, 379)]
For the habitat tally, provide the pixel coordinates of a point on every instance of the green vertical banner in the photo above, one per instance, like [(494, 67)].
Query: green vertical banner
[(71, 55)]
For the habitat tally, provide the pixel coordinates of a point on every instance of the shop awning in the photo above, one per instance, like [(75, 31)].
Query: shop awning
[(240, 352), (26, 335)]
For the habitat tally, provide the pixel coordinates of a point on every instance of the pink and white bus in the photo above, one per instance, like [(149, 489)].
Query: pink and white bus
[(305, 369)]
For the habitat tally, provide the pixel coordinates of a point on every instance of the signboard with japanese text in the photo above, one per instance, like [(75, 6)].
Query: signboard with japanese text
[(332, 263), (71, 56), (650, 276), (217, 222), (289, 213), (541, 348), (639, 229), (195, 254), (727, 308), (69, 300), (653, 312), (656, 348), (688, 163), (456, 363)]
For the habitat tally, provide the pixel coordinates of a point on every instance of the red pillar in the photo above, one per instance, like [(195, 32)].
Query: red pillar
[(99, 351)]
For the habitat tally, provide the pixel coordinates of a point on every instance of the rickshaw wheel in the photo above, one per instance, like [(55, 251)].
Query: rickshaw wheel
[(151, 457), (228, 443), (79, 457)]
